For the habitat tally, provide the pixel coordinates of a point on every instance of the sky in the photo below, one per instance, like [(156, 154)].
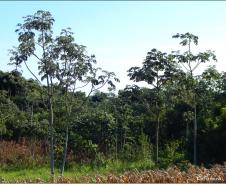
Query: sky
[(120, 33)]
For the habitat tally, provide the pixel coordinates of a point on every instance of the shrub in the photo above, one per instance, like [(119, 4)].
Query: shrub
[(22, 154), (171, 154)]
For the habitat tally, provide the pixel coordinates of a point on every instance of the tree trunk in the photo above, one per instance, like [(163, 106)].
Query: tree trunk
[(65, 152), (51, 136), (68, 108), (31, 123), (195, 137), (157, 138)]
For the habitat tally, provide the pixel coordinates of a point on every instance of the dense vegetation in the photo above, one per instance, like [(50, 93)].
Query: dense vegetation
[(180, 117)]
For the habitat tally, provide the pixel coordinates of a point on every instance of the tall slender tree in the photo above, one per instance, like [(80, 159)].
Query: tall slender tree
[(157, 69), (35, 40), (75, 71), (58, 59), (190, 62)]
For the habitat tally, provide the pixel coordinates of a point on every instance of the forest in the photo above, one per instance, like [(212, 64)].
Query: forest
[(62, 122)]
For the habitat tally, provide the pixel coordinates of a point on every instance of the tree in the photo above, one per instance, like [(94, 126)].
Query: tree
[(190, 62), (158, 68), (76, 71), (35, 40)]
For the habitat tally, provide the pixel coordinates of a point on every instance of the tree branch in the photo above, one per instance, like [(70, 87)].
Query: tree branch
[(185, 67), (102, 84), (196, 66), (80, 86), (32, 73), (36, 56)]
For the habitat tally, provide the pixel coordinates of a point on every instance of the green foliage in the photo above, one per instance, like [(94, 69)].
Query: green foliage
[(172, 154), (107, 131), (158, 67), (144, 149)]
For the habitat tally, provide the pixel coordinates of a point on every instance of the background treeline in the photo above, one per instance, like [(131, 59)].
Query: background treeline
[(178, 118), (119, 126)]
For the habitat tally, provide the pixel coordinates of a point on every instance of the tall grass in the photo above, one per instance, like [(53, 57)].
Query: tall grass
[(77, 172), (23, 154), (114, 173)]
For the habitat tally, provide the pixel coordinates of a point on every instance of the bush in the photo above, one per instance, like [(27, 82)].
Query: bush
[(100, 160), (21, 154), (171, 154), (145, 149)]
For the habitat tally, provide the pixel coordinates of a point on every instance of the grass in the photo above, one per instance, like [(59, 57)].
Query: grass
[(118, 172), (77, 172), (19, 175)]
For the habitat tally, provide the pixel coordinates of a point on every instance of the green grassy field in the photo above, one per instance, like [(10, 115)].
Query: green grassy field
[(77, 173)]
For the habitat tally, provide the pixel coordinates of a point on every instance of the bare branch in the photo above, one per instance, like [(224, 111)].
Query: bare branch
[(32, 73), (36, 56), (102, 84), (38, 44), (184, 66), (81, 86), (196, 66)]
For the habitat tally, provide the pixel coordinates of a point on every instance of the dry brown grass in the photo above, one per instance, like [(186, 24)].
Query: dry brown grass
[(216, 174), (12, 152)]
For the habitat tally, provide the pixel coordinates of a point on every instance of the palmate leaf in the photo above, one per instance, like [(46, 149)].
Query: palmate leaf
[(157, 68), (206, 56), (35, 31), (187, 38), (16, 58), (111, 84), (135, 73), (187, 58), (95, 82), (184, 42), (116, 79)]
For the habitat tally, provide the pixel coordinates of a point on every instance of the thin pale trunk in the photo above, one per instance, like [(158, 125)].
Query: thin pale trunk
[(67, 129), (189, 61), (157, 139), (65, 152), (158, 120), (67, 133), (31, 123), (50, 94), (195, 137), (66, 136), (51, 137), (50, 106)]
